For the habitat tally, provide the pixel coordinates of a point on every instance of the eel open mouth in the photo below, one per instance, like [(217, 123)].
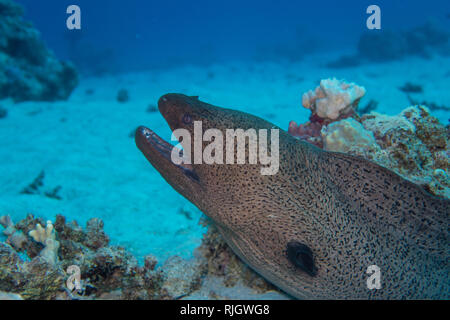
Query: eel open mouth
[(159, 152)]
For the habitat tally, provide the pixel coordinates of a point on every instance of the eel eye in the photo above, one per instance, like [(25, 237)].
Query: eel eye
[(187, 119), (301, 256)]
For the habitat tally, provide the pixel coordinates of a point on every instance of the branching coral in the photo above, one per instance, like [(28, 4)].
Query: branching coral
[(47, 238), (42, 235)]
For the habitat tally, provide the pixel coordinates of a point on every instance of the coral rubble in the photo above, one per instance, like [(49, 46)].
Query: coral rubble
[(414, 144), (28, 70)]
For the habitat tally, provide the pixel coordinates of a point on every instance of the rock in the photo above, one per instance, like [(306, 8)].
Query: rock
[(123, 96), (181, 276), (381, 46), (3, 112), (152, 108)]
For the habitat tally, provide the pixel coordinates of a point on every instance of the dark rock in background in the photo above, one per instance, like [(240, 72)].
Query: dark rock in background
[(89, 58), (409, 87), (345, 62), (3, 112), (28, 70), (388, 45), (420, 40), (123, 96)]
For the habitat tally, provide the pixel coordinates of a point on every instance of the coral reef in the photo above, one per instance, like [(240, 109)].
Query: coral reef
[(37, 262), (414, 144), (106, 271), (417, 145), (332, 100), (28, 70)]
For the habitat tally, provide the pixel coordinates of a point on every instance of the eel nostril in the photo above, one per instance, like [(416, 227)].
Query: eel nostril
[(144, 132)]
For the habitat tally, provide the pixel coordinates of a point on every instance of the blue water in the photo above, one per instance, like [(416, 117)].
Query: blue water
[(256, 56), (140, 34)]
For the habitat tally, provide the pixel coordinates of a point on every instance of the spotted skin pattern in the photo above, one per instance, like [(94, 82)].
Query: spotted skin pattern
[(350, 212)]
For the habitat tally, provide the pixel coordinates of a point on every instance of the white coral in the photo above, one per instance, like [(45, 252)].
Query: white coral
[(333, 98), (47, 238)]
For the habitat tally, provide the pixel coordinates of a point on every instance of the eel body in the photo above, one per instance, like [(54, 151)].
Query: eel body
[(313, 228)]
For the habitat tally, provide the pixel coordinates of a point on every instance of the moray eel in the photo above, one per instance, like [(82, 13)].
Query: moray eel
[(313, 228)]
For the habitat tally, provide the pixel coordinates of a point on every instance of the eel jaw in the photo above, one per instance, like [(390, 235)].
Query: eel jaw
[(158, 153)]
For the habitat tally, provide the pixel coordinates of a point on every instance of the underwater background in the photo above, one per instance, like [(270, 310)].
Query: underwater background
[(67, 142)]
